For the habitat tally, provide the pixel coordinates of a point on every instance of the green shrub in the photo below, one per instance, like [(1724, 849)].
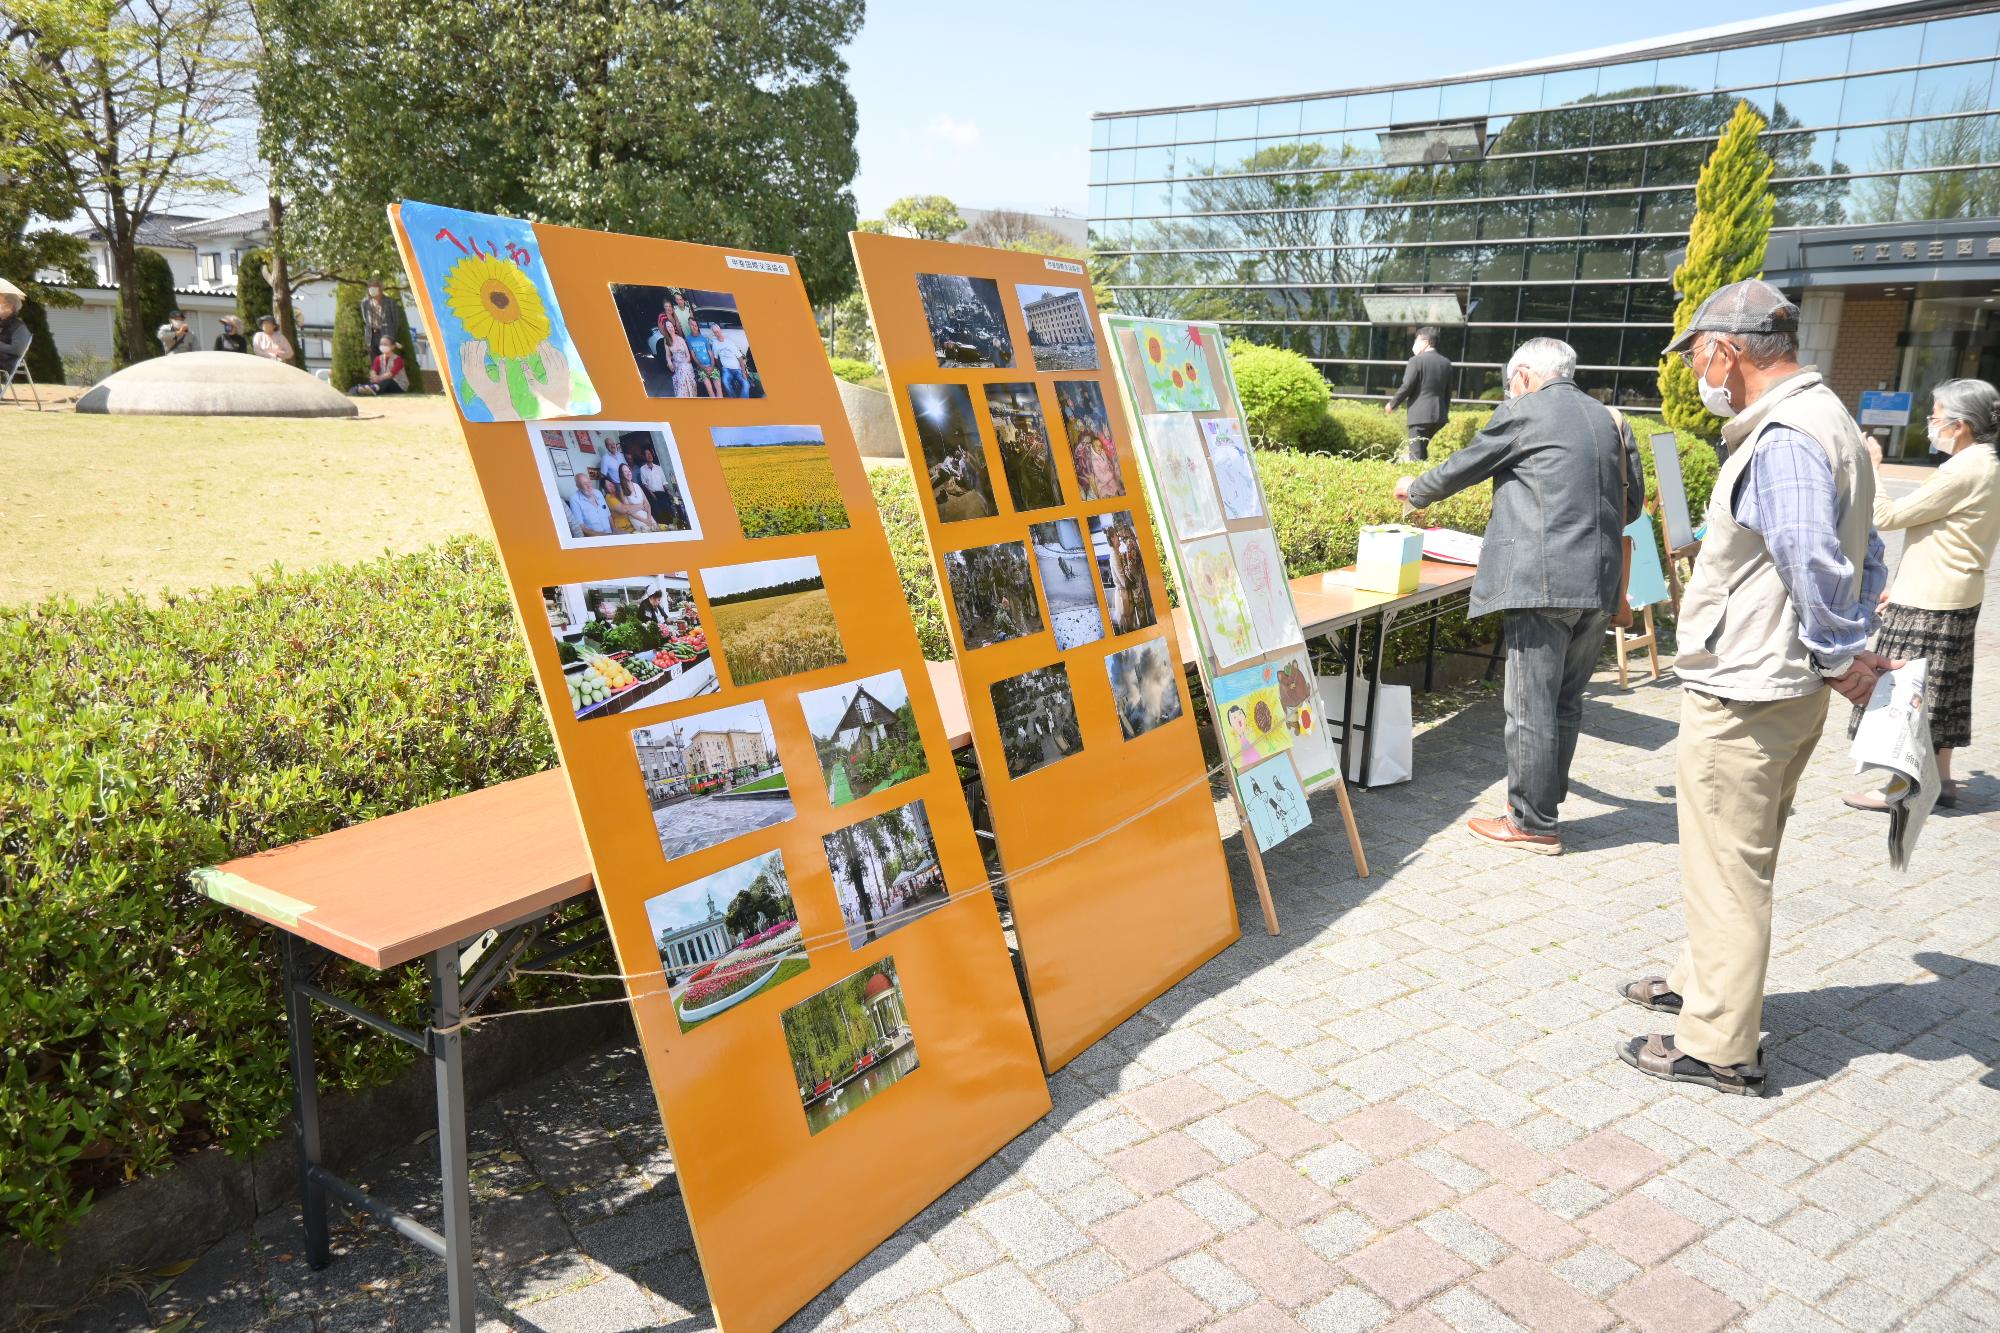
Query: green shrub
[(253, 289), (1698, 462), (350, 352), (896, 498), (141, 741), (1359, 430), (156, 301), (1284, 398), (852, 369)]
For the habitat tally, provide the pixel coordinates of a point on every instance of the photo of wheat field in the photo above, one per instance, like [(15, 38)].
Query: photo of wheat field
[(773, 618), (780, 479)]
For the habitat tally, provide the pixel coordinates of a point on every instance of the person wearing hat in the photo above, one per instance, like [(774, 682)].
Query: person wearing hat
[(386, 372), (269, 342), (175, 336), (231, 338), (1773, 622), (14, 332)]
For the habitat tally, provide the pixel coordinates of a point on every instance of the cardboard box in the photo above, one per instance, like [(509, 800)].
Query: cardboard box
[(1388, 558)]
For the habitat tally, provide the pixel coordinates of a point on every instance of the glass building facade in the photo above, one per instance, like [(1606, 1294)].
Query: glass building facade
[(1554, 198)]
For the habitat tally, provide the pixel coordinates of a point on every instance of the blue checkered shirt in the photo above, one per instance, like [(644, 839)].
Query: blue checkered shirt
[(1787, 497)]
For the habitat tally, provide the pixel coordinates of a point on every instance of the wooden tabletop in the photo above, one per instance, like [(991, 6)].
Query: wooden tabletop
[(396, 888)]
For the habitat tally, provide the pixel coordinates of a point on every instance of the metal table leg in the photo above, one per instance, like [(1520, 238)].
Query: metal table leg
[(1347, 706), (454, 1168), (1431, 654), (305, 1099), (1374, 693)]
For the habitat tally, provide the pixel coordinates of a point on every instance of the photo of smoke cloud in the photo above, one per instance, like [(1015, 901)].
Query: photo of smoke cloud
[(968, 325)]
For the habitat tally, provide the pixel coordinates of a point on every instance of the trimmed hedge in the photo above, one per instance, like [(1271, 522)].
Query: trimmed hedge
[(852, 369), (141, 741), (1699, 464), (1284, 397)]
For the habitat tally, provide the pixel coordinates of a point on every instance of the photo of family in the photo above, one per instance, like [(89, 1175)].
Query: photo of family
[(954, 458), (1059, 330), (968, 326), (726, 937), (885, 872), (1036, 715), (616, 484), (773, 618), (1093, 449), (687, 343), (1145, 687), (711, 777), (866, 736), (1065, 561), (629, 643), (1023, 437), (849, 1043), (993, 592), (780, 479), (1121, 571)]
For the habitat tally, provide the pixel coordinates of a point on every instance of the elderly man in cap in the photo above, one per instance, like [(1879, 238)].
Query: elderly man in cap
[(1781, 602)]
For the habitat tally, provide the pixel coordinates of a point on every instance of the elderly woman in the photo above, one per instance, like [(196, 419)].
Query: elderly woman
[(1931, 610), (269, 342), (14, 335)]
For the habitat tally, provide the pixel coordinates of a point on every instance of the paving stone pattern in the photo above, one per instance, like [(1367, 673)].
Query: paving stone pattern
[(1404, 1112)]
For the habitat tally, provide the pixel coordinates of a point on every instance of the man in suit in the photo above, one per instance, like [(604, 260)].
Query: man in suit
[(1427, 389), (1566, 482)]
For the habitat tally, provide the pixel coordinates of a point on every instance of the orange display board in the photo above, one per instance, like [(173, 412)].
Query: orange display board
[(1050, 580), (783, 852)]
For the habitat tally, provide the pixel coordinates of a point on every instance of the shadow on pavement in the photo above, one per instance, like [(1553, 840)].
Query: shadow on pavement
[(1807, 1044)]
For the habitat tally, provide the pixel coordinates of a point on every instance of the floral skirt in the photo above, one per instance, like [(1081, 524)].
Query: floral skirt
[(1944, 639)]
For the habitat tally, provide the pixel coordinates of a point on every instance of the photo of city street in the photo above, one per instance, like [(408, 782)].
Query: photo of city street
[(1059, 329), (968, 326), (712, 777)]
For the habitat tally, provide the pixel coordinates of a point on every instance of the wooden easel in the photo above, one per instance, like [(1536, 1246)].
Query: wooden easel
[(1628, 643)]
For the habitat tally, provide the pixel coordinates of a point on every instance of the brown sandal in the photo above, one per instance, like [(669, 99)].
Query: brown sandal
[(1651, 993), (1656, 1056)]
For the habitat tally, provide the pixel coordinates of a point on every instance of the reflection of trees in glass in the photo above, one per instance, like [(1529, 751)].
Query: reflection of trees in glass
[(1924, 147)]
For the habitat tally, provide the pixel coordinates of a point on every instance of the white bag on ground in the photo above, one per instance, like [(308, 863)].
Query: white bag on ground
[(1390, 758)]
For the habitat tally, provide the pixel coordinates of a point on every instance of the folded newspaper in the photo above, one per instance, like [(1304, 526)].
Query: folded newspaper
[(1894, 739)]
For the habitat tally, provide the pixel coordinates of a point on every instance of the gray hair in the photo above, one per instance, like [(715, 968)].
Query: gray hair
[(1768, 349), (1975, 402), (1550, 358)]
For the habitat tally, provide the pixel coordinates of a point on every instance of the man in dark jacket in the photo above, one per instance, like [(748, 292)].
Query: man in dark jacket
[(1566, 482), (1427, 389)]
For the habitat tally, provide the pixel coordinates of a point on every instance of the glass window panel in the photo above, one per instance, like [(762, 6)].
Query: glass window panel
[(1674, 163), (1465, 99), (1632, 77), (1875, 148), (1543, 305), (1552, 262), (1511, 96), (1742, 66), (1815, 57), (1607, 262), (1324, 113), (1651, 303), (1236, 122), (1669, 210), (1100, 133), (1569, 85), (1558, 217), (1962, 39), (1610, 215), (1190, 126), (1404, 264), (1234, 154), (1879, 97), (1520, 136), (1152, 163), (1955, 88), (1931, 195), (1153, 197), (1817, 202), (1654, 256), (1812, 105), (1502, 264), (1596, 346), (1123, 130), (1603, 305), (1122, 162), (1805, 153), (1195, 159), (1099, 164), (1454, 263), (1621, 122), (1764, 99), (1156, 129), (1694, 72), (1483, 342), (1277, 118), (1117, 201), (1279, 152), (1507, 175), (1618, 167), (1367, 111), (1686, 117), (1495, 127), (1114, 231), (1502, 221), (1567, 129), (1361, 148), (1887, 48), (1407, 105), (1455, 222), (1097, 201)]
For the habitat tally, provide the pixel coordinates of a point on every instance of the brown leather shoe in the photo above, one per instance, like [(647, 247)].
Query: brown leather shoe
[(1503, 833)]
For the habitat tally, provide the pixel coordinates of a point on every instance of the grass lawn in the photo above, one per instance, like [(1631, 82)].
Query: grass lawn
[(109, 503), (769, 782)]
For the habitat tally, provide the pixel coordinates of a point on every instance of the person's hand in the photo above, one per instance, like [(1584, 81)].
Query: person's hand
[(1403, 485), (555, 386), (1874, 447), (1882, 602), (1386, 407), (1859, 682), (489, 388)]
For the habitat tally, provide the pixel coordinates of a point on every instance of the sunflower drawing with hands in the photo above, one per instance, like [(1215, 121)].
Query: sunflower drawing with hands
[(508, 360)]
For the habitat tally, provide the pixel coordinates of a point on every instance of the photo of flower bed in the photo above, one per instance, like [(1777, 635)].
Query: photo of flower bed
[(726, 937)]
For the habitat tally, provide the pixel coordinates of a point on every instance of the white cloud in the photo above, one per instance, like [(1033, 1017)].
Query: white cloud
[(957, 133)]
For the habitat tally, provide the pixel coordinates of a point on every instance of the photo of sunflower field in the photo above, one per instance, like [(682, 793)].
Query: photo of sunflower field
[(780, 479), (773, 618)]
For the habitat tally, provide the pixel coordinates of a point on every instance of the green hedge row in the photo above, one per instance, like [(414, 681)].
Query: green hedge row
[(1699, 464)]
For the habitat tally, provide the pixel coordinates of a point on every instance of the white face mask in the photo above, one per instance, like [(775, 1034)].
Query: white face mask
[(1715, 398), (1931, 430)]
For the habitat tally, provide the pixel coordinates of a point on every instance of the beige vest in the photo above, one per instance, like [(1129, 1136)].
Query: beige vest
[(1739, 633)]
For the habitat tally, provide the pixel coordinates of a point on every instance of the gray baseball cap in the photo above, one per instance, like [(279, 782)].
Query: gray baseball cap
[(1750, 306)]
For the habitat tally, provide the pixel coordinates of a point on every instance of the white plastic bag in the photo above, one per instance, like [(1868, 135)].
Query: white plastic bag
[(1390, 758)]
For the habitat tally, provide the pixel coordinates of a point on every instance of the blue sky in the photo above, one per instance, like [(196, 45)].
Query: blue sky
[(991, 105)]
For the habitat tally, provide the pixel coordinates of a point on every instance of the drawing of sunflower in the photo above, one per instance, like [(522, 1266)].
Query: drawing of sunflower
[(498, 305), (1156, 351)]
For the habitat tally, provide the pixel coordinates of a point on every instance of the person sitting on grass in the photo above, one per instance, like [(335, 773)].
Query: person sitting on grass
[(386, 373)]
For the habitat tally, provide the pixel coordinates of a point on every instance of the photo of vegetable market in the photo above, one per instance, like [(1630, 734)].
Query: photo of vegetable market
[(629, 643)]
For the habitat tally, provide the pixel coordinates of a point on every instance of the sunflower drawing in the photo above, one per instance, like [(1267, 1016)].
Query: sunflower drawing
[(498, 305), (1156, 351)]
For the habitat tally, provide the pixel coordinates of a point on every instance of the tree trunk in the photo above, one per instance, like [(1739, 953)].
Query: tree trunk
[(281, 285), (132, 331)]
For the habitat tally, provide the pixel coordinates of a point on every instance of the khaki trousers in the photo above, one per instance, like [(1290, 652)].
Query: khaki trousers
[(1738, 767)]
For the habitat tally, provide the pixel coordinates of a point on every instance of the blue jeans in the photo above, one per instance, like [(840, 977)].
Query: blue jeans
[(1550, 655), (734, 384)]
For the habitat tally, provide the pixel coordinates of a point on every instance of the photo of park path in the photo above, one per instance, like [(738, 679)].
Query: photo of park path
[(711, 777)]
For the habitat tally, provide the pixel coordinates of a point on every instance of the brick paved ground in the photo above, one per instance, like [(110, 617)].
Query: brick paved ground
[(1404, 1112)]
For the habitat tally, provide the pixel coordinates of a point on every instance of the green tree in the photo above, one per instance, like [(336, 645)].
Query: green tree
[(253, 289), (153, 285), (1733, 206), (727, 122), (928, 217), (350, 357), (27, 249), (121, 104)]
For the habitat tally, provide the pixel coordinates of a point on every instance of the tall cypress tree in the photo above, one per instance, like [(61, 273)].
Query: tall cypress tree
[(155, 284), (350, 357), (253, 290), (1733, 206)]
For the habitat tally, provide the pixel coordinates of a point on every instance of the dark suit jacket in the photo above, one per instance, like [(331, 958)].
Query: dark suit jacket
[(1426, 388), (1555, 536)]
